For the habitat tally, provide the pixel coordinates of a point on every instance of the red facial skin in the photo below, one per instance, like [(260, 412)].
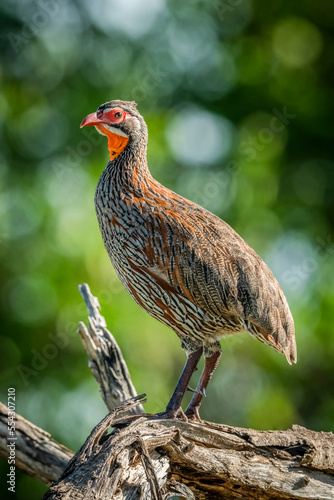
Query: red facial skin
[(116, 142), (109, 118)]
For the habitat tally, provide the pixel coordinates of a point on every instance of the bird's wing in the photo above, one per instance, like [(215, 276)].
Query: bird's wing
[(208, 262)]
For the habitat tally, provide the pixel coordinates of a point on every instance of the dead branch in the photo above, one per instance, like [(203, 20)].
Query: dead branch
[(145, 458), (105, 357), (37, 454), (140, 457)]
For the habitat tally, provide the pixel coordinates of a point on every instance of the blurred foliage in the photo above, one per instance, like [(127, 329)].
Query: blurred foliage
[(238, 97)]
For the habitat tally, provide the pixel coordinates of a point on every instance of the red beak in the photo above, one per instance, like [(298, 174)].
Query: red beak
[(92, 119)]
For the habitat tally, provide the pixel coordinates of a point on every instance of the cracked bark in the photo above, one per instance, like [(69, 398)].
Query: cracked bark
[(37, 454), (145, 458), (135, 456), (105, 357)]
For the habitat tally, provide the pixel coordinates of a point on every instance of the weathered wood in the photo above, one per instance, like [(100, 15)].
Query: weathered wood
[(194, 461), (37, 454), (105, 357), (140, 457), (146, 458)]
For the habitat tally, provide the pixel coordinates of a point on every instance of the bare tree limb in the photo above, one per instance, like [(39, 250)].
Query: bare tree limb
[(145, 458), (37, 454), (105, 357), (140, 457)]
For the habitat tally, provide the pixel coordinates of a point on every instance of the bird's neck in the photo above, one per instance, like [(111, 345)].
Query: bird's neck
[(129, 171)]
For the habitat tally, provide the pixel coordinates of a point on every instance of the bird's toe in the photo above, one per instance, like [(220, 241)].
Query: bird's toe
[(192, 414), (170, 414)]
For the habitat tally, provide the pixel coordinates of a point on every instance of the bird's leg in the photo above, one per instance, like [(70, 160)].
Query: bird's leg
[(211, 363), (174, 405)]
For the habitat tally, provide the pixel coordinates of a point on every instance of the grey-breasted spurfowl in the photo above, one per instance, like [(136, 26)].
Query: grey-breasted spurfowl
[(181, 263)]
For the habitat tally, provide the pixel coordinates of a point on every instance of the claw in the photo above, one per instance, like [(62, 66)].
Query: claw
[(193, 415), (182, 415), (169, 414), (203, 393), (190, 389)]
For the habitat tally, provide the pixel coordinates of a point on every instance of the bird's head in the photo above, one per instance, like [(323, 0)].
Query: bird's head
[(120, 122)]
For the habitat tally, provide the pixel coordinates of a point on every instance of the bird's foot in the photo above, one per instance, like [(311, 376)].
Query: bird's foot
[(192, 414), (170, 414)]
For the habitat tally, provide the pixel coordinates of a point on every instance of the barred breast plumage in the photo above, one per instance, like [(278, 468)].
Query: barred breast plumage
[(181, 263)]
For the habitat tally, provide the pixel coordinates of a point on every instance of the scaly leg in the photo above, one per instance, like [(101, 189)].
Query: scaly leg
[(211, 363), (174, 405)]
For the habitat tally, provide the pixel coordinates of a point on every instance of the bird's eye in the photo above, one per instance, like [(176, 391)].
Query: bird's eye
[(118, 114)]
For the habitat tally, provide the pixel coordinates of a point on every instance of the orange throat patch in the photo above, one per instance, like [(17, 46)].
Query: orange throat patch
[(116, 143)]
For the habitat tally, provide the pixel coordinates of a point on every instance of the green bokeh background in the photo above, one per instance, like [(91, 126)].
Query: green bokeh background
[(238, 97)]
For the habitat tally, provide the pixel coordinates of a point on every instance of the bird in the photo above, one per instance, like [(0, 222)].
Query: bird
[(182, 264)]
